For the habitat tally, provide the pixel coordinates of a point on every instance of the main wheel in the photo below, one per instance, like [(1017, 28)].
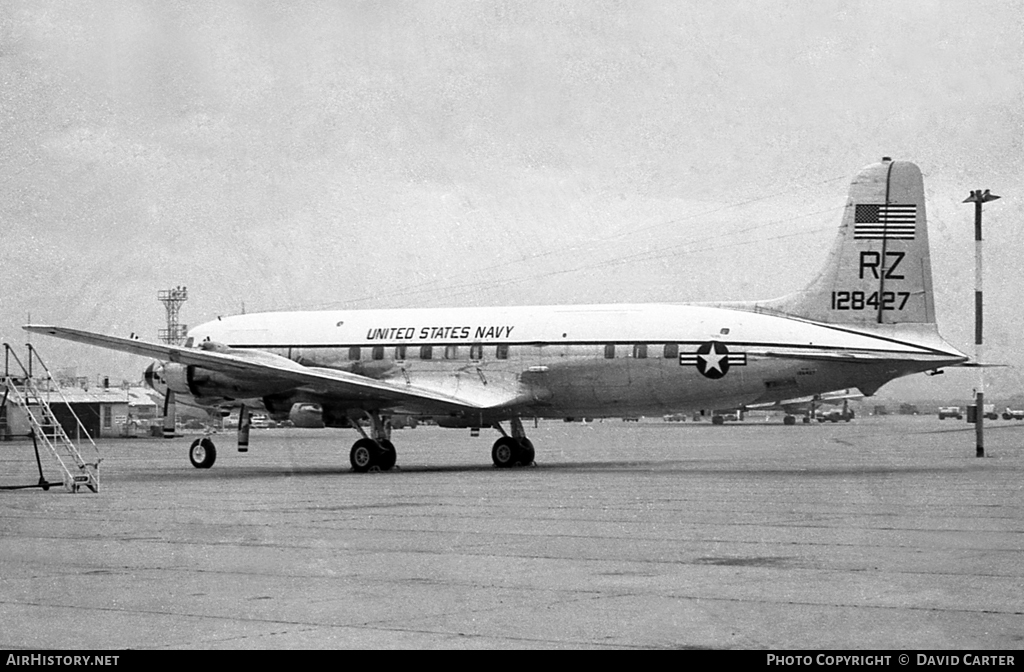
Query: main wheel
[(505, 452), (364, 455), (789, 419), (526, 452), (202, 453), (387, 455)]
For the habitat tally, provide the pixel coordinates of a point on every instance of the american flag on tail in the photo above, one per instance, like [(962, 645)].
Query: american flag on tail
[(878, 221)]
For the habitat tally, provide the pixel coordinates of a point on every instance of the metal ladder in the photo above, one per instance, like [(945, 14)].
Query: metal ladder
[(76, 471)]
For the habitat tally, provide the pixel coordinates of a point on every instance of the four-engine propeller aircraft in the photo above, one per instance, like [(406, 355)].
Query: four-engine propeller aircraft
[(867, 318)]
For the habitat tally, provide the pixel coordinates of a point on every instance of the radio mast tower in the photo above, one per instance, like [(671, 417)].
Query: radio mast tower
[(172, 299)]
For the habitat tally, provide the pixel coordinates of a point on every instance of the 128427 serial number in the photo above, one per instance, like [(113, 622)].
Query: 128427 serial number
[(874, 301)]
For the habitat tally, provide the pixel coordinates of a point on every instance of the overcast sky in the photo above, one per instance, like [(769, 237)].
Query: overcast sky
[(394, 154)]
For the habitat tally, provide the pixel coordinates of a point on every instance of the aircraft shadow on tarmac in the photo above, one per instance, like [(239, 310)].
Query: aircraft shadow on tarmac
[(682, 468)]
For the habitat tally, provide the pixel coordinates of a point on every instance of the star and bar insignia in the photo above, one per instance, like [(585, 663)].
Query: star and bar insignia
[(712, 359)]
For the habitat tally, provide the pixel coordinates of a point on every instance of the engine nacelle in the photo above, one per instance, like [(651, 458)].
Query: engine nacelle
[(205, 384), (457, 422), (307, 415)]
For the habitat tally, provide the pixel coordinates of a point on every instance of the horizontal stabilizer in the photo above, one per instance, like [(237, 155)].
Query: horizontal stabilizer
[(852, 357)]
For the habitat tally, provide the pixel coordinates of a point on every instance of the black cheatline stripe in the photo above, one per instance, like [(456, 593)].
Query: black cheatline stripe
[(680, 343)]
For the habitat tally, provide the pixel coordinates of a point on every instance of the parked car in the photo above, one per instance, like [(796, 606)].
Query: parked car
[(260, 421), (989, 412), (950, 412)]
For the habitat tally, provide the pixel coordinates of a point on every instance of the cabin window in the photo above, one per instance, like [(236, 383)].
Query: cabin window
[(400, 352), (476, 352), (426, 352), (671, 350), (640, 351), (378, 352), (353, 353), (451, 351), (609, 351), (501, 352)]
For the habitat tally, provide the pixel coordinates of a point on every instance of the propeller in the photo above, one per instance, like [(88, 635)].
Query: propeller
[(244, 420), (170, 409)]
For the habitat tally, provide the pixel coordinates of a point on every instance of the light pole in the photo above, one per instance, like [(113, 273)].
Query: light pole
[(978, 197)]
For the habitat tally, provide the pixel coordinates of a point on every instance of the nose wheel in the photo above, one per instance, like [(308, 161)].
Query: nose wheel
[(202, 453)]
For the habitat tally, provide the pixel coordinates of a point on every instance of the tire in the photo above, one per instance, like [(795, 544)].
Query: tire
[(364, 455), (202, 453), (386, 456), (505, 452), (527, 453), (717, 420), (789, 420)]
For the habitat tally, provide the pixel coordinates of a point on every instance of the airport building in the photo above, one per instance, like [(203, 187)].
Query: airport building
[(104, 412)]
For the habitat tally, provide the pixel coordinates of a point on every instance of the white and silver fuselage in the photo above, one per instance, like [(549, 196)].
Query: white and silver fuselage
[(593, 360)]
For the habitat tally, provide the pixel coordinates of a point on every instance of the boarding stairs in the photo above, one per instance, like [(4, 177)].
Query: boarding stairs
[(35, 399)]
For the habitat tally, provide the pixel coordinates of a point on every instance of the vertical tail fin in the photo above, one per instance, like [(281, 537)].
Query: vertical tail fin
[(878, 271)]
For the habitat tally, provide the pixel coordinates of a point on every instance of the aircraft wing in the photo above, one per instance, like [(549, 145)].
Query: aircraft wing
[(470, 393)]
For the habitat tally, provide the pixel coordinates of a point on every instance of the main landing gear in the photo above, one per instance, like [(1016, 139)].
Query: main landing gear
[(515, 450), (377, 451)]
